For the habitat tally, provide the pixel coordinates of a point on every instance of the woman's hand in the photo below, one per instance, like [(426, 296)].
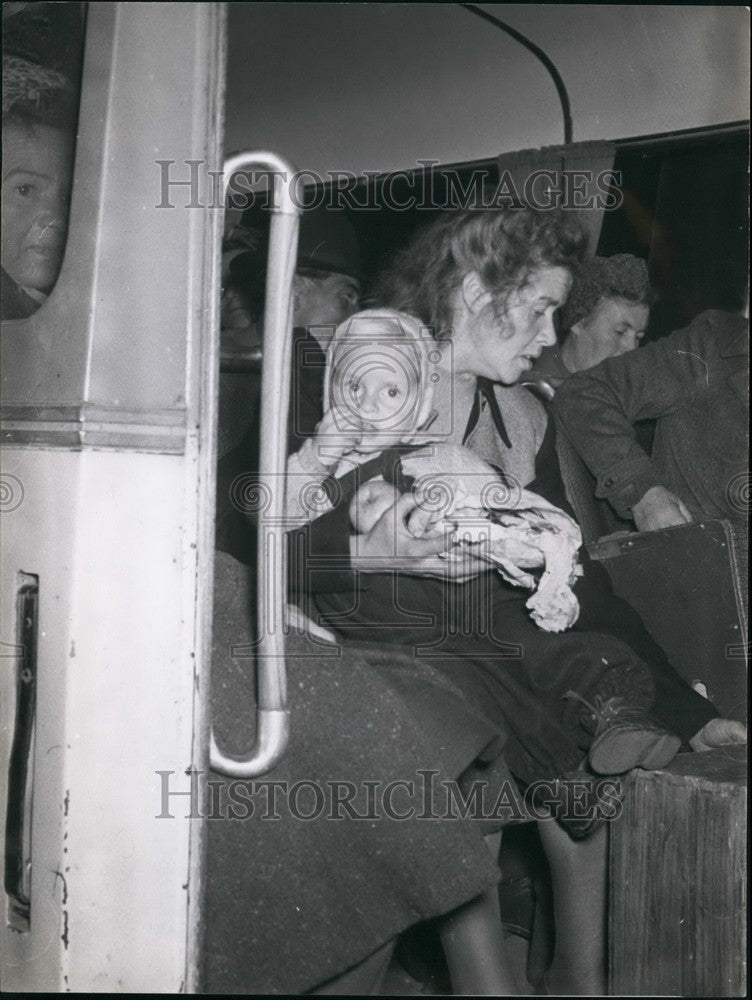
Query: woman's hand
[(390, 545), (517, 551), (446, 475)]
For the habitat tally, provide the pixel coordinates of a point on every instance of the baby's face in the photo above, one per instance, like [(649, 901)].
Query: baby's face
[(378, 396)]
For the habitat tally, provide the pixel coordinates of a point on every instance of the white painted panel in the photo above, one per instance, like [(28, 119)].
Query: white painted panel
[(115, 705), (39, 537), (129, 710), (122, 541)]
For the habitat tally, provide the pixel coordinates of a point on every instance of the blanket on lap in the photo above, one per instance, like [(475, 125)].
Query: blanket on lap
[(501, 521)]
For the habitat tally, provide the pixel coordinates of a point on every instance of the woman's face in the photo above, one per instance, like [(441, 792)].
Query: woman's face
[(37, 164), (614, 327), (504, 348)]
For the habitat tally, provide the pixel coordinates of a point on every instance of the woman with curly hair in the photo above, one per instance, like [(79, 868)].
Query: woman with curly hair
[(605, 315), (397, 700)]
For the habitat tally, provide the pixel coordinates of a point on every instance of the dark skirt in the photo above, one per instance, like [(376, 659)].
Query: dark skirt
[(480, 637), (305, 888)]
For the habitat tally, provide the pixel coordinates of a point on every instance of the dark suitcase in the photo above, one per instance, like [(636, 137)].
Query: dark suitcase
[(689, 586)]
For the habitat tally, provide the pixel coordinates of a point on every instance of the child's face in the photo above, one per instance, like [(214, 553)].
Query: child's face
[(378, 395)]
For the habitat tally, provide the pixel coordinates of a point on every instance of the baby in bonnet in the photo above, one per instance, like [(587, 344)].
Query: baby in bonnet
[(374, 442)]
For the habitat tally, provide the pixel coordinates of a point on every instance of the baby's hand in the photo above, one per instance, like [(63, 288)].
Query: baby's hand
[(369, 503), (333, 439)]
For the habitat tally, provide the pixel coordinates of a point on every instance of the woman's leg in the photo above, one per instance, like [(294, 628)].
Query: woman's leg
[(579, 878), (473, 943)]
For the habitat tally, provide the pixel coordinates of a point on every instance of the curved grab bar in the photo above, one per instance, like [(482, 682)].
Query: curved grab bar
[(272, 714), (272, 733)]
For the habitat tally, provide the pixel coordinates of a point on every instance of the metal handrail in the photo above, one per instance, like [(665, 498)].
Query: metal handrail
[(241, 362), (272, 717)]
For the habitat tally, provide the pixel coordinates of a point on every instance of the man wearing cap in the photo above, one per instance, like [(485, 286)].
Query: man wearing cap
[(326, 290)]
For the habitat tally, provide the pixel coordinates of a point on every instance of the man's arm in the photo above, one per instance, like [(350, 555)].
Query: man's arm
[(599, 408)]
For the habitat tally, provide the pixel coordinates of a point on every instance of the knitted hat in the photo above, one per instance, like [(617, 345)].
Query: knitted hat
[(389, 339), (42, 50), (30, 89), (622, 276)]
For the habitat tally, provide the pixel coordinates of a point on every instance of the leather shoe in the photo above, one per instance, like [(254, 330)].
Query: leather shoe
[(627, 736)]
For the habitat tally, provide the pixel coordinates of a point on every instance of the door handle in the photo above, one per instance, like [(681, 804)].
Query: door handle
[(18, 806), (272, 718)]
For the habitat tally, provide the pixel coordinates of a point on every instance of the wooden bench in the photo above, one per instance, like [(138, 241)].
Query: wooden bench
[(677, 907)]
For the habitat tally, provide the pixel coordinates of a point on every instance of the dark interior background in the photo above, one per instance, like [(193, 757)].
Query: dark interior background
[(684, 210)]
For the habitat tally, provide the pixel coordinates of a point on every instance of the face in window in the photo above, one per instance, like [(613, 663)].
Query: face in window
[(377, 394), (37, 171), (614, 327)]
